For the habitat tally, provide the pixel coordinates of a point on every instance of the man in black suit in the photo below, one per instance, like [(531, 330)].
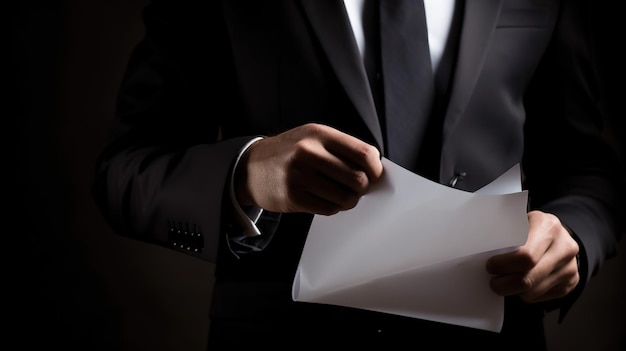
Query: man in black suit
[(239, 120)]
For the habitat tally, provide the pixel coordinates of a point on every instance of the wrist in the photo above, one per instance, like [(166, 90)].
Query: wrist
[(241, 190)]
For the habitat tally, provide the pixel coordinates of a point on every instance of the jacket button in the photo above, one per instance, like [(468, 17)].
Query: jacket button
[(457, 177)]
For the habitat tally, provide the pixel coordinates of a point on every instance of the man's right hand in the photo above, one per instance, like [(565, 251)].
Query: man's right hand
[(312, 168)]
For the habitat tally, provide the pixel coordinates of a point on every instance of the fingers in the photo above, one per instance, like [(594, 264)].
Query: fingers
[(534, 286), (539, 239), (556, 285), (310, 191), (314, 157), (312, 168), (544, 268), (335, 168), (360, 155)]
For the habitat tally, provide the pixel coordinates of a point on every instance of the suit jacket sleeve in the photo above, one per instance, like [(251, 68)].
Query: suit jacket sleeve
[(573, 172), (165, 175)]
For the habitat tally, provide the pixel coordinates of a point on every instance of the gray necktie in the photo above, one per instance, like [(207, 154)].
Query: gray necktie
[(408, 83)]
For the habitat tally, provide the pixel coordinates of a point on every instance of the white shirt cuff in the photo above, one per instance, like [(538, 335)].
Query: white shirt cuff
[(247, 218)]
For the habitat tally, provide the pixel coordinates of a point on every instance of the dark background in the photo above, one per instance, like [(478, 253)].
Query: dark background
[(71, 283)]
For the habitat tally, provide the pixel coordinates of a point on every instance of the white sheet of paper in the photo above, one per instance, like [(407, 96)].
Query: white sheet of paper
[(416, 248)]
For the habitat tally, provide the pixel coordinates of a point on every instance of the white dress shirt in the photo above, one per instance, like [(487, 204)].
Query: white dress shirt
[(438, 19)]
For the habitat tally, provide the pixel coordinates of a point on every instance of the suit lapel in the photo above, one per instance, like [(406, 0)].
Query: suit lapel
[(332, 27), (479, 22)]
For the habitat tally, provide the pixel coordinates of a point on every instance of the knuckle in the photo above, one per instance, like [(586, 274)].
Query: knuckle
[(314, 129), (572, 247), (359, 180), (527, 282), (573, 282), (552, 220), (367, 151), (303, 148), (527, 258)]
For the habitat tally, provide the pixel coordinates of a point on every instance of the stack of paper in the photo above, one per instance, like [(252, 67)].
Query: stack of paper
[(416, 248)]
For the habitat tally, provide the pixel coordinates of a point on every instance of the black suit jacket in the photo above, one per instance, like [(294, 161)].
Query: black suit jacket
[(211, 75)]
